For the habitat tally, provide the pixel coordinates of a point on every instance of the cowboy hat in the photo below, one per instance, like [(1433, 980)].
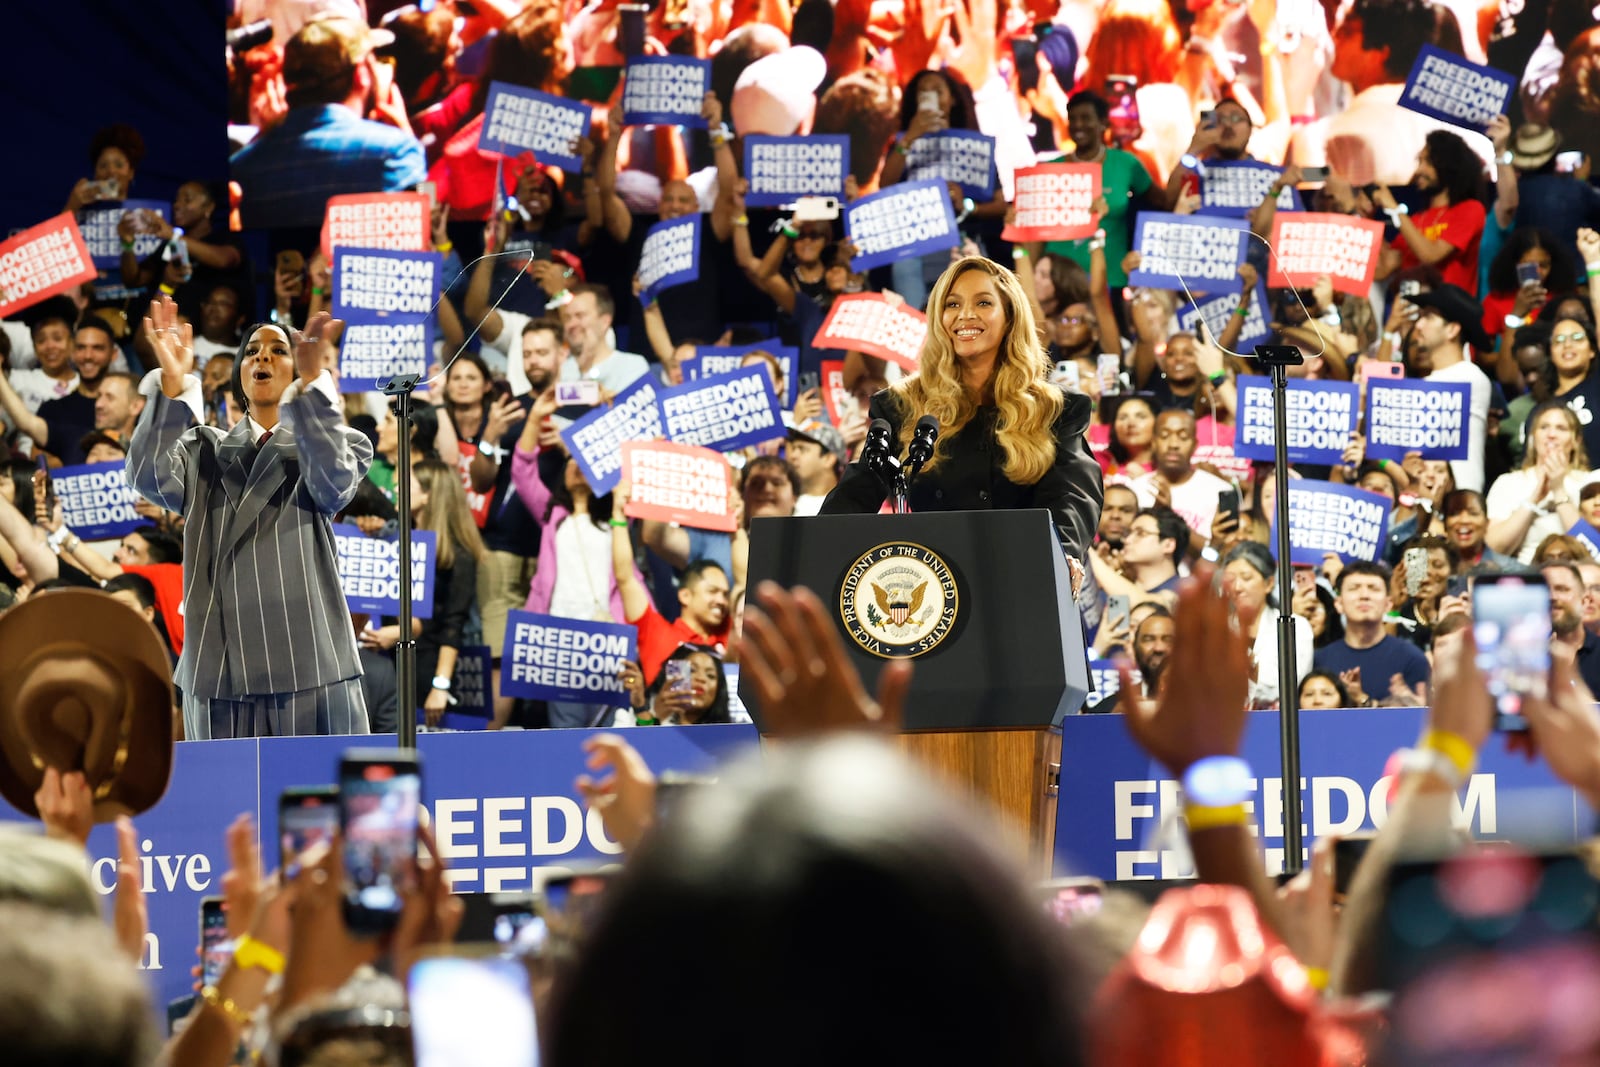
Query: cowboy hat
[(85, 685), (1534, 146)]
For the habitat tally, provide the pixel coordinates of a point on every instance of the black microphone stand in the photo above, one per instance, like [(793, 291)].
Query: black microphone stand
[(1279, 358), (405, 652)]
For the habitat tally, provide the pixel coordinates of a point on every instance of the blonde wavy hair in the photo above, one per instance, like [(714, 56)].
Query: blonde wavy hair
[(1028, 404)]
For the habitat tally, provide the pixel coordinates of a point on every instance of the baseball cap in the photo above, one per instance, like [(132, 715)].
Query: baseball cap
[(777, 94), (328, 49), (1454, 304), (819, 432)]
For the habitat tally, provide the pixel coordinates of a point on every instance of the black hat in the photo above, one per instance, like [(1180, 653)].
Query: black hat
[(1456, 305)]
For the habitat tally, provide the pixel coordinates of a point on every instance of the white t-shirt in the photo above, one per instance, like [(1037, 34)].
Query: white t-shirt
[(204, 350), (809, 504), (21, 338), (616, 373), (581, 546), (1195, 500), (1469, 472)]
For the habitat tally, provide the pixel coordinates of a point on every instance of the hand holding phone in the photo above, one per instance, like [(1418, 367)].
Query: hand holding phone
[(379, 794)]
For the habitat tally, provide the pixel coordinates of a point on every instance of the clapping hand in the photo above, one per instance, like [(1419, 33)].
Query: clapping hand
[(308, 352), (172, 343)]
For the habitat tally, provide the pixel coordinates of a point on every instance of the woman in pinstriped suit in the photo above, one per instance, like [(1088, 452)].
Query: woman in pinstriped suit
[(269, 649)]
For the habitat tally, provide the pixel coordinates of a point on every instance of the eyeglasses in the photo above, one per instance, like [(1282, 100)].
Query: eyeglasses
[(1234, 120), (1563, 338), (1142, 531), (1073, 320)]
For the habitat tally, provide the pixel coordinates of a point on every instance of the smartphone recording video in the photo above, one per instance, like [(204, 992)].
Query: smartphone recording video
[(1067, 900), (1511, 624), (216, 948), (379, 793), (519, 929), (307, 816)]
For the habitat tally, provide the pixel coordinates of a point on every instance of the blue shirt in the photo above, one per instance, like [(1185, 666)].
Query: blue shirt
[(289, 172), (1378, 664)]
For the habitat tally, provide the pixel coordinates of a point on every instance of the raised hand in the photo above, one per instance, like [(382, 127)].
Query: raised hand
[(502, 413), (172, 342), (803, 679), (66, 805), (130, 915), (308, 353), (626, 799)]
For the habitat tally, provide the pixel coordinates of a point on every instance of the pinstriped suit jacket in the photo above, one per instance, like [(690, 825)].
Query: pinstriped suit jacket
[(263, 607)]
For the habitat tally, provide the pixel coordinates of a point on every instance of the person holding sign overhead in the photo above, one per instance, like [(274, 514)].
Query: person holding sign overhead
[(269, 649), (1008, 438)]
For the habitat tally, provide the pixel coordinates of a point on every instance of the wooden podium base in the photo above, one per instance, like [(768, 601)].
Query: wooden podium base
[(1013, 771)]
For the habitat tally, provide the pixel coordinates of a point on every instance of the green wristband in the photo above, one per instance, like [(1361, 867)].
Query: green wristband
[(619, 522)]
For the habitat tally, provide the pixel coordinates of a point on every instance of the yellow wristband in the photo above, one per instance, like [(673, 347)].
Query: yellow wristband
[(1203, 818), (225, 1005), (1318, 977), (1451, 746), (252, 953), (169, 290), (444, 249)]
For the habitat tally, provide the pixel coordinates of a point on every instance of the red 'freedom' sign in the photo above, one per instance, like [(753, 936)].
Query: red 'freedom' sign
[(42, 261), (1055, 202), (398, 222), (685, 484), (875, 325), (1307, 245)]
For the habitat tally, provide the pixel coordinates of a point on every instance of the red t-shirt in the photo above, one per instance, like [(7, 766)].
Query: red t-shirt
[(1461, 226), (658, 639), (168, 580)]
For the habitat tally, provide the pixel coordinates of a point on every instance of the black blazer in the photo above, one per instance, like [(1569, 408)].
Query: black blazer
[(970, 478)]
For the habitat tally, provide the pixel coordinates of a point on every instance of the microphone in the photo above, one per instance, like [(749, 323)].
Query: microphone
[(877, 456), (922, 442)]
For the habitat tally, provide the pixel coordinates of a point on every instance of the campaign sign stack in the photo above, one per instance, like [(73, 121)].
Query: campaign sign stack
[(1322, 416), (670, 256), (386, 300), (1407, 415), (42, 261), (1189, 252), (572, 660), (400, 222), (726, 412), (595, 441), (783, 169), (96, 501), (369, 571), (1453, 90), (905, 220), (960, 156), (518, 120), (1351, 523), (665, 91)]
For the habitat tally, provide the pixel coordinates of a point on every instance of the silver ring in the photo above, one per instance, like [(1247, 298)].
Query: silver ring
[(314, 340)]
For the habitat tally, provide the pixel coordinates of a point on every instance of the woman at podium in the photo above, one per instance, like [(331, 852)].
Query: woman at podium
[(1007, 437)]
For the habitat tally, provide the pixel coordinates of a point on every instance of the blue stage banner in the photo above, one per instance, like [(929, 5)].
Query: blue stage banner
[(548, 657), (596, 440), (1351, 523), (501, 805), (1216, 311), (372, 353), (369, 571), (96, 500), (727, 412), (665, 91), (1236, 188), (518, 120), (670, 256), (1197, 251), (1451, 89), (98, 223), (1322, 416), (711, 360), (1119, 815), (904, 220), (783, 169), (1409, 415), (961, 156), (376, 285)]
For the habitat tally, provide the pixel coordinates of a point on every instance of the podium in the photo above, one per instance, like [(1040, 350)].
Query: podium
[(981, 601)]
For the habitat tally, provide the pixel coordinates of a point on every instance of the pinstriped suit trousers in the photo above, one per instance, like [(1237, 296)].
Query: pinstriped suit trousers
[(338, 708)]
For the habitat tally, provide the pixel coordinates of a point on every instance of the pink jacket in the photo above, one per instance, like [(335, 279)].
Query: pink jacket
[(536, 498)]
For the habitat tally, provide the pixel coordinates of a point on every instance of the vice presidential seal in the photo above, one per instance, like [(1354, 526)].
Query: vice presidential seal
[(899, 600)]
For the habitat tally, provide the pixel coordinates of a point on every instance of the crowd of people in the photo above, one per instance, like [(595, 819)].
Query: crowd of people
[(1488, 277)]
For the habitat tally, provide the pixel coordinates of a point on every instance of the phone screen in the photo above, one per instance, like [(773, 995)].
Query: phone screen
[(1527, 274), (306, 817), (1067, 902), (1314, 174), (215, 946), (378, 799), (477, 1011), (518, 927), (1125, 125), (1511, 623)]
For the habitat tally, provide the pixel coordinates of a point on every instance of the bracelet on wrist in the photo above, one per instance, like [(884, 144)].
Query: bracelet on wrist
[(1217, 378), (1592, 269), (1201, 817), (315, 291), (790, 232), (619, 522), (1318, 977), (213, 999), (1243, 312), (742, 220), (1457, 749), (444, 248), (127, 246), (167, 289), (252, 953)]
